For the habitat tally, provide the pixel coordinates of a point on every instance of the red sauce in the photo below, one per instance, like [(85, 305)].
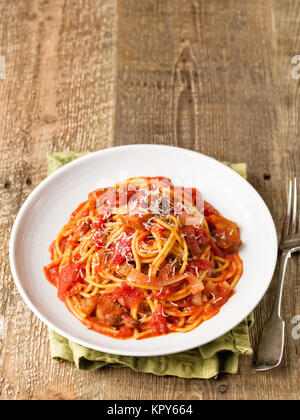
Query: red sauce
[(158, 321), (113, 309)]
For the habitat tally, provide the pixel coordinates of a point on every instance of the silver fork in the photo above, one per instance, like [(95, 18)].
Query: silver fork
[(271, 344)]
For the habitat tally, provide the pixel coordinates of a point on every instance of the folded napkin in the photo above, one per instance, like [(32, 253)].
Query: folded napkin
[(219, 356)]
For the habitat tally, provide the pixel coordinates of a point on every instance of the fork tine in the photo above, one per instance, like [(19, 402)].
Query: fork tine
[(294, 218), (286, 225)]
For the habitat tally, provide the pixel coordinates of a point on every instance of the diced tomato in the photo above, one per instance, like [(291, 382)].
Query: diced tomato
[(52, 274), (67, 278), (225, 232), (158, 321), (122, 250), (128, 296)]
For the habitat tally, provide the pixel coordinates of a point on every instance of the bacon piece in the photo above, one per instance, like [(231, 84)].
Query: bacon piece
[(197, 239)]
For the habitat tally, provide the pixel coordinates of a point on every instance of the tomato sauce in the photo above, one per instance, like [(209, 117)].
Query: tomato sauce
[(110, 313), (158, 321)]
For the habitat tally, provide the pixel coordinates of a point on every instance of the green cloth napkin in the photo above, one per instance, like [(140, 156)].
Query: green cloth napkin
[(219, 356)]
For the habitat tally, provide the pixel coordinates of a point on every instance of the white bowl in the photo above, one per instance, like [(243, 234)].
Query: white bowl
[(48, 208)]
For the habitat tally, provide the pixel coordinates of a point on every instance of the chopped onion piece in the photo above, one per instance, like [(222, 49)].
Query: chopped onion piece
[(197, 299), (140, 278), (196, 284)]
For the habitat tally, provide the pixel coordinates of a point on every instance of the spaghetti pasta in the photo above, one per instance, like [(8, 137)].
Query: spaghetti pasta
[(145, 258)]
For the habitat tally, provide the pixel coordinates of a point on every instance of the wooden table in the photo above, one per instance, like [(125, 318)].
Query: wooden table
[(209, 75)]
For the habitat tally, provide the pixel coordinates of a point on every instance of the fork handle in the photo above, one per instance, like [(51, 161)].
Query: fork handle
[(285, 255), (271, 344)]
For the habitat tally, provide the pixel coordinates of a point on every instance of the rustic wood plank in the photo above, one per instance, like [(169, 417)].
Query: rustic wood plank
[(209, 75), (205, 75), (58, 95)]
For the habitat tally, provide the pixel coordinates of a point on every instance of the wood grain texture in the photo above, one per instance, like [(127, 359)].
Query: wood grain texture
[(208, 75)]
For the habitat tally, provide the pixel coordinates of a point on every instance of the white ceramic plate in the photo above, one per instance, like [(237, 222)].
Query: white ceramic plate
[(48, 208)]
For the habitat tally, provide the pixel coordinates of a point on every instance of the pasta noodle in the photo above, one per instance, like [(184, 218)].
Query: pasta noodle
[(145, 258)]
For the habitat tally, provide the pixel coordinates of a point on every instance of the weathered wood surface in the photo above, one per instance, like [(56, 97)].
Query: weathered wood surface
[(210, 75)]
